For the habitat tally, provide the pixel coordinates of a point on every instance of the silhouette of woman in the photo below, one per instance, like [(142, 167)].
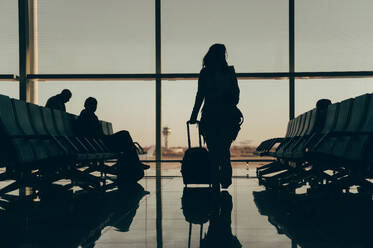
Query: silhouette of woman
[(220, 121)]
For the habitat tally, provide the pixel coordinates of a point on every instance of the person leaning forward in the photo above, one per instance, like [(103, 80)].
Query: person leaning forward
[(58, 101)]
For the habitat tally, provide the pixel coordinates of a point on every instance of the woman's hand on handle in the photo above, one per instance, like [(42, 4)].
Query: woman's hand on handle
[(192, 121)]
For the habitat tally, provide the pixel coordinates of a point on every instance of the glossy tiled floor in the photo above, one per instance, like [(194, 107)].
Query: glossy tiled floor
[(243, 216), (251, 228)]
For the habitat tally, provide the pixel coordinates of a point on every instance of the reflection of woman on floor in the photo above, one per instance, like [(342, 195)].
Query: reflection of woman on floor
[(218, 89), (219, 233)]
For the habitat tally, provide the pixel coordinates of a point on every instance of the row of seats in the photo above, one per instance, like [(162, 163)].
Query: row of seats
[(43, 139), (266, 146), (338, 138)]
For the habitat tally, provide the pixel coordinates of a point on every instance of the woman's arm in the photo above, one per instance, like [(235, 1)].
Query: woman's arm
[(199, 98), (235, 88), (236, 91)]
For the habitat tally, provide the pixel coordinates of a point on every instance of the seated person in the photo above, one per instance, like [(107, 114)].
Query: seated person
[(58, 101), (321, 111), (88, 125)]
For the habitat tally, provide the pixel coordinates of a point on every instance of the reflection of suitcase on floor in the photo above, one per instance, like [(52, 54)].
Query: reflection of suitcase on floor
[(198, 205), (195, 167), (190, 234)]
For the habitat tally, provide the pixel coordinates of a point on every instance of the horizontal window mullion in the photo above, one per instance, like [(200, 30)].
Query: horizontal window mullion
[(8, 77), (191, 76), (333, 74)]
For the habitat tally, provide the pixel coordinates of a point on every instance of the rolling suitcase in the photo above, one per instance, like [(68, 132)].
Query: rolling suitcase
[(195, 167)]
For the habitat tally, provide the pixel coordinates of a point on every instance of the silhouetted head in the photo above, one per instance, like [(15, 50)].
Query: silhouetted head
[(321, 112), (215, 58), (65, 95), (90, 104), (323, 104)]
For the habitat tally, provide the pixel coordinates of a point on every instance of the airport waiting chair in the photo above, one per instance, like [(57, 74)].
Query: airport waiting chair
[(333, 151), (39, 147), (264, 148), (333, 155), (295, 128)]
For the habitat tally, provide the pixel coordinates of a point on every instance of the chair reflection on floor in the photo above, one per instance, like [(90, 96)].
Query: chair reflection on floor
[(329, 221), (52, 224), (202, 205)]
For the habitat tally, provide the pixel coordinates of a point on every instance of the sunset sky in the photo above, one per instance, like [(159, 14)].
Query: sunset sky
[(117, 36)]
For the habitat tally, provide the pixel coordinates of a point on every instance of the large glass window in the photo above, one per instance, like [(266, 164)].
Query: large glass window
[(119, 37), (334, 35), (177, 103), (8, 37), (254, 32), (127, 105), (9, 88), (308, 91), (86, 36), (264, 104)]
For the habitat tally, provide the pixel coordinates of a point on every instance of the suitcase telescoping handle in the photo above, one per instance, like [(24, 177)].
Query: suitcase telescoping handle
[(199, 134)]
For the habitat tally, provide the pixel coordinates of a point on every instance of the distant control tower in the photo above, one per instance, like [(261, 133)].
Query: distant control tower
[(166, 132)]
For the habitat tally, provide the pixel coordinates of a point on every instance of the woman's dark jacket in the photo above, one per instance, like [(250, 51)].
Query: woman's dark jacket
[(219, 93)]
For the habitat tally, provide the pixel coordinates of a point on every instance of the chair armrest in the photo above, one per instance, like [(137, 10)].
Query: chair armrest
[(268, 144)]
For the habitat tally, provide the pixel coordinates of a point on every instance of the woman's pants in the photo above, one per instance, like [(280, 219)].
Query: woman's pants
[(219, 144)]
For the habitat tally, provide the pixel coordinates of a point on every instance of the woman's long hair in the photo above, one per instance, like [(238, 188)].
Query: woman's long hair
[(215, 58)]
